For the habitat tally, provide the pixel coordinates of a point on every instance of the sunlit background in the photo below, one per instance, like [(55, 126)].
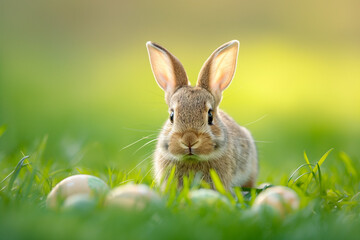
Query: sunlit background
[(77, 74)]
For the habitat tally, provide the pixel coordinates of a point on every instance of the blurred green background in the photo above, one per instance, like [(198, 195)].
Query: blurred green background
[(77, 73)]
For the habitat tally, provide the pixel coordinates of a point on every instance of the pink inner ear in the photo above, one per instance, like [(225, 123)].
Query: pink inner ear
[(225, 78), (162, 81), (167, 83), (223, 68), (221, 81)]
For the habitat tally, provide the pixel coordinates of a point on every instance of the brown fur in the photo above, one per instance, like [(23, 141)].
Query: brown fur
[(190, 143), (223, 167)]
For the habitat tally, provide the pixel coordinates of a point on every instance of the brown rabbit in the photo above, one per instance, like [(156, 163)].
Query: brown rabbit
[(198, 136)]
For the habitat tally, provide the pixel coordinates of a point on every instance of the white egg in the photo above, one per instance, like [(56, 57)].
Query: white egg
[(282, 200), (81, 202), (132, 196), (208, 197), (77, 184)]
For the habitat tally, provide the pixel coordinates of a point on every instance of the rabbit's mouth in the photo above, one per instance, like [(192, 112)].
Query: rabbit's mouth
[(190, 157), (189, 143)]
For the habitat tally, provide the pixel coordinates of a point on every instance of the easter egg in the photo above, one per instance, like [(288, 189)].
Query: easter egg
[(134, 196), (79, 202), (77, 184), (281, 200), (208, 197)]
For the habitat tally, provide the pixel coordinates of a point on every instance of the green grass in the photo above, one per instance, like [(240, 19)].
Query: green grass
[(86, 124), (329, 205), (78, 118), (76, 87)]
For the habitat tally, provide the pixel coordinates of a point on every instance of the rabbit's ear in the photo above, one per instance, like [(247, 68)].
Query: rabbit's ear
[(219, 69), (168, 71)]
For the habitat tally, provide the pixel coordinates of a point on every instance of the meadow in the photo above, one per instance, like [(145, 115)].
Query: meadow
[(77, 95)]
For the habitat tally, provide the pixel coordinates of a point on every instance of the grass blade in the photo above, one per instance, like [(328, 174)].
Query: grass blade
[(348, 164), (217, 182), (307, 161), (220, 187), (16, 172), (170, 179), (301, 166), (318, 165), (240, 197), (322, 159)]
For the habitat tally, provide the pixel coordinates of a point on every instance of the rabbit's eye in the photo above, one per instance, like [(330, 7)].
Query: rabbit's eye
[(172, 116), (210, 117)]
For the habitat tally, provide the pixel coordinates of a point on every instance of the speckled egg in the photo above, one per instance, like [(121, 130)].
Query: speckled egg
[(74, 185), (208, 197), (282, 200), (134, 196), (79, 202)]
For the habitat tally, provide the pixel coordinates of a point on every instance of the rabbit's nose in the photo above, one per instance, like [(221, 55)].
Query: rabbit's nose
[(189, 139)]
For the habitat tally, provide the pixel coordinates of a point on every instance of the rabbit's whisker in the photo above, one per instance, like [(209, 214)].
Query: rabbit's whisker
[(251, 140), (146, 137), (166, 168), (257, 120), (137, 165), (152, 168), (263, 141), (141, 130), (145, 145)]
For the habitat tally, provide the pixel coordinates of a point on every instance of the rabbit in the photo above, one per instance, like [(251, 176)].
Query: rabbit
[(198, 136)]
